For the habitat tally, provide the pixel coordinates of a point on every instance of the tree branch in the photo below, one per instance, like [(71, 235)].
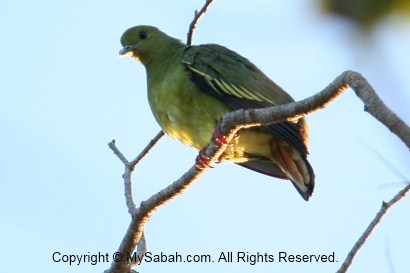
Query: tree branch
[(234, 121), (194, 22), (127, 245), (129, 167), (382, 212), (372, 104), (146, 150), (375, 106)]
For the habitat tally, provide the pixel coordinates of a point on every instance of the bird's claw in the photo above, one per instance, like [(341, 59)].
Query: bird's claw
[(202, 161), (221, 138)]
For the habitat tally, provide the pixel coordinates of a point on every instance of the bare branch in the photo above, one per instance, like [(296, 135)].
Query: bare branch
[(129, 167), (117, 152), (146, 150), (382, 212), (194, 22), (372, 104), (234, 121), (128, 244), (375, 106)]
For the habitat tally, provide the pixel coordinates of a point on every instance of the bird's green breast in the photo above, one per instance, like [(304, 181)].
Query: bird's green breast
[(182, 110)]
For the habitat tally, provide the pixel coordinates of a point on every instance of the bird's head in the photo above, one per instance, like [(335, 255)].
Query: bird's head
[(144, 43)]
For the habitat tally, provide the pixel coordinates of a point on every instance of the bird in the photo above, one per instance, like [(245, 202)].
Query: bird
[(190, 87)]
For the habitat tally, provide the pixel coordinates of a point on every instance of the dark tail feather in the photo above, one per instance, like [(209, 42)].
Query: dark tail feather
[(295, 166), (310, 184), (271, 169), (264, 167)]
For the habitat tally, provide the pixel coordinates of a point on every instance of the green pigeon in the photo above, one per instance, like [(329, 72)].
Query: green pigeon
[(191, 87)]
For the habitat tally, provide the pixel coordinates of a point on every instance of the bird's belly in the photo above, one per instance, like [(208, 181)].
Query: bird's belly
[(190, 115), (186, 127), (185, 112), (248, 144)]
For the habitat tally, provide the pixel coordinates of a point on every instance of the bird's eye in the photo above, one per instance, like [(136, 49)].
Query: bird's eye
[(143, 35)]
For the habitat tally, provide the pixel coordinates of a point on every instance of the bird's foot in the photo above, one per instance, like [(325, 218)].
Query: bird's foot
[(221, 138), (202, 161)]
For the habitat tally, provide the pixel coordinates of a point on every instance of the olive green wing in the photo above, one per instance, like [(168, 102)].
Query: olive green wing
[(233, 79)]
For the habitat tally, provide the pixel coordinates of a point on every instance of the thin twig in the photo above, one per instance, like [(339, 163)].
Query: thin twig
[(117, 152), (384, 160), (382, 212), (194, 22), (389, 259), (129, 168), (125, 248), (146, 150)]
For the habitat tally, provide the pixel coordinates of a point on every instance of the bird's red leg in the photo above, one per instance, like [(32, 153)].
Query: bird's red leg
[(202, 161), (219, 137)]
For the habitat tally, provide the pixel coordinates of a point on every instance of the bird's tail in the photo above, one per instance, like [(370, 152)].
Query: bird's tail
[(295, 166)]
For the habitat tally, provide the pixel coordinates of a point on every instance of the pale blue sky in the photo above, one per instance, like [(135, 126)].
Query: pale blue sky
[(65, 93)]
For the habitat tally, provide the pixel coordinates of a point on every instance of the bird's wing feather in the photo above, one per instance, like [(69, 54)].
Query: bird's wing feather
[(233, 79)]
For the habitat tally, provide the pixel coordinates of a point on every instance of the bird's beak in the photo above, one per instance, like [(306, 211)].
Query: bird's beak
[(127, 51)]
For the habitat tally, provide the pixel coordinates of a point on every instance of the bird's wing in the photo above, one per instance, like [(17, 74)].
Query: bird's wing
[(233, 79)]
